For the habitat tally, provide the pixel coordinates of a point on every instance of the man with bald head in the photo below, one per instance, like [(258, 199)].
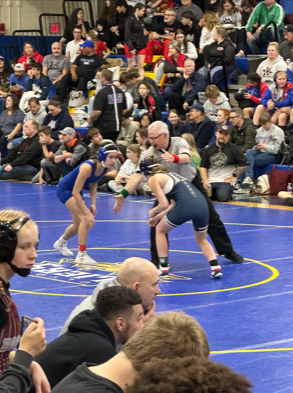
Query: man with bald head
[(135, 273)]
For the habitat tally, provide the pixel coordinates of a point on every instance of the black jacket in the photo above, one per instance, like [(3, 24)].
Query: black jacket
[(225, 50), (134, 35), (197, 82), (178, 130), (88, 339), (31, 156), (17, 377), (202, 131), (232, 154), (121, 20), (58, 122), (244, 137)]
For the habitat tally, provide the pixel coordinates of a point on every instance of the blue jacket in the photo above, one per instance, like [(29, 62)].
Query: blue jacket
[(43, 83), (58, 122), (198, 84), (21, 82), (287, 96), (202, 131)]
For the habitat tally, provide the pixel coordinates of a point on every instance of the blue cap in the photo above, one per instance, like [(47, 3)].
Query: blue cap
[(197, 106), (87, 44)]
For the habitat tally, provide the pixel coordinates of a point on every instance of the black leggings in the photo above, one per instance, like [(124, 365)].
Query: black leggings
[(216, 230)]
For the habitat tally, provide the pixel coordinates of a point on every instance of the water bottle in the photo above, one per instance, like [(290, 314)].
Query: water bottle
[(167, 106), (134, 60), (289, 187)]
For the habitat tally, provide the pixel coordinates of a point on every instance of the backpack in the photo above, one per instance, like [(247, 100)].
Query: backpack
[(76, 99), (263, 185)]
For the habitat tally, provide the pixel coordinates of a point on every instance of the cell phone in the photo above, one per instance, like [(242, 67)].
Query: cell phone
[(25, 322)]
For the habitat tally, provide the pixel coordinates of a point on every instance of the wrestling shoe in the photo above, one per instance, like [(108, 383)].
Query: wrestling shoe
[(242, 190), (62, 247), (83, 258), (234, 257), (216, 273), (164, 270)]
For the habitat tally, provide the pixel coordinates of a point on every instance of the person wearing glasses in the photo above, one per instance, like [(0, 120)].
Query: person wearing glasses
[(174, 154), (72, 48), (243, 131)]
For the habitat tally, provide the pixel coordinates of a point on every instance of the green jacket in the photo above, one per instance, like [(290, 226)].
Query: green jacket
[(262, 15)]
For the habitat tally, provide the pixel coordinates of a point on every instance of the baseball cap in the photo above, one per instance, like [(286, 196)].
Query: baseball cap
[(224, 129), (198, 107), (87, 44), (19, 67), (68, 131), (2, 57), (288, 29)]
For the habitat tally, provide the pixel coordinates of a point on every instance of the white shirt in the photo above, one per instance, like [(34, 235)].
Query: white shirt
[(72, 48)]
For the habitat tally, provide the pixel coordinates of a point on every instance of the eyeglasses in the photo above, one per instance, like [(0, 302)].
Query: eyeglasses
[(231, 118), (153, 138), (169, 15)]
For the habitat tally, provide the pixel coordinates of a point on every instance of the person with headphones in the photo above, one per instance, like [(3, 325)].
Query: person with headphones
[(179, 202), (69, 191), (19, 239)]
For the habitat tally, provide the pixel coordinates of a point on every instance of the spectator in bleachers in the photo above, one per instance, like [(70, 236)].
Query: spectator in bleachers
[(212, 5), (155, 339), (130, 166), (76, 20), (39, 85), (133, 78), (286, 46), (18, 80), (56, 65), (267, 146), (4, 84), (247, 7), (243, 131), (274, 63), (11, 122), (145, 120), (146, 101), (265, 11), (82, 70), (254, 91), (100, 46), (175, 125), (210, 21), (194, 154), (183, 92), (123, 12), (215, 100), (187, 47), (227, 13), (191, 28), (156, 10), (72, 152), (103, 33), (223, 116), (127, 133), (278, 99), (23, 163), (223, 49), (49, 172), (30, 56), (158, 43), (188, 6), (142, 138), (135, 39), (221, 164), (200, 126), (74, 46), (109, 13), (108, 107), (58, 118)]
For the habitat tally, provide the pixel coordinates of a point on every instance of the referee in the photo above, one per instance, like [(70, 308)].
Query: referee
[(174, 153)]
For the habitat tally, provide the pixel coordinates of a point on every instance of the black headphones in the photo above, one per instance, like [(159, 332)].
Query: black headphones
[(8, 238)]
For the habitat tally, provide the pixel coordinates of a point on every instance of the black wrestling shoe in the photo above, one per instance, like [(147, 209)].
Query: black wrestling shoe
[(288, 201), (234, 257)]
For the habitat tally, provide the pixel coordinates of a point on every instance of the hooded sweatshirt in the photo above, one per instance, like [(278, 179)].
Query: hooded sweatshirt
[(58, 122), (88, 339), (281, 97), (212, 109), (271, 138), (23, 59), (262, 15), (256, 93), (38, 117), (267, 70)]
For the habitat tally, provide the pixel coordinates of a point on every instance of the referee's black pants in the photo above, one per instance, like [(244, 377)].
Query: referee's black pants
[(216, 230)]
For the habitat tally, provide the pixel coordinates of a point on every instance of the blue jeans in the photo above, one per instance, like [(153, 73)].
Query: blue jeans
[(257, 158), (260, 42), (13, 144), (222, 191), (2, 104), (22, 172)]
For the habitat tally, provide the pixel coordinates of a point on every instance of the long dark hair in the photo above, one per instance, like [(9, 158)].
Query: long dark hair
[(254, 77), (180, 31), (73, 18), (15, 102), (109, 13)]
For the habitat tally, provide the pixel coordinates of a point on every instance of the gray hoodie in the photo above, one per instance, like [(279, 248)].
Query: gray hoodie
[(212, 109), (267, 70), (271, 138), (38, 117)]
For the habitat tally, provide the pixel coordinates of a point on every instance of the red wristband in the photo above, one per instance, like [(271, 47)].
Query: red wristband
[(176, 158)]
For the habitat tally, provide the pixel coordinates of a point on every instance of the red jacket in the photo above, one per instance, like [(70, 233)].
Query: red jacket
[(23, 60), (251, 90)]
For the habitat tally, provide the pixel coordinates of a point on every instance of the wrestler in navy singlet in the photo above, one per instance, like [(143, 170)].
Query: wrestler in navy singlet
[(66, 185), (190, 203)]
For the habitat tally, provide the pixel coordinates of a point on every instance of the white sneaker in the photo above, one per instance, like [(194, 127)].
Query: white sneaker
[(62, 247), (83, 258), (247, 182), (242, 191)]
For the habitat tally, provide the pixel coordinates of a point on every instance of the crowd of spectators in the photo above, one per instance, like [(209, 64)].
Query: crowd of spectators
[(194, 39)]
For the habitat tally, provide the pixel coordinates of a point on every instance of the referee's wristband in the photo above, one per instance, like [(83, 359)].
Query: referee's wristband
[(124, 193), (176, 158)]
